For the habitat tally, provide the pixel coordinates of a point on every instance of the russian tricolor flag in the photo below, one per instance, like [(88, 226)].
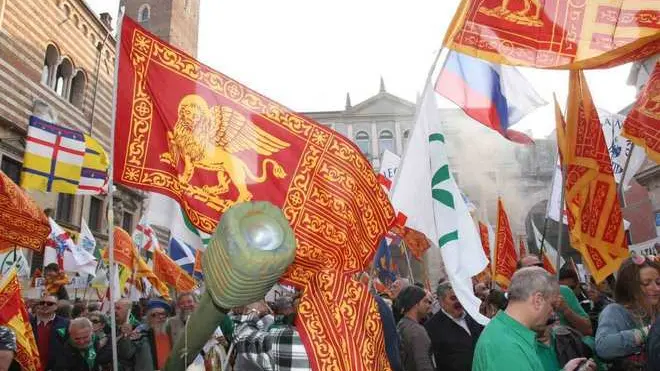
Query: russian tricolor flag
[(495, 95)]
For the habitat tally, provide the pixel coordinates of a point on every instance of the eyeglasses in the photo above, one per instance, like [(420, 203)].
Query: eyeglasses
[(453, 298), (159, 314), (95, 320), (46, 303), (540, 265)]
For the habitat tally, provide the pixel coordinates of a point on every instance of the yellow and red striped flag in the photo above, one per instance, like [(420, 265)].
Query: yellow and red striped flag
[(642, 125), (14, 315), (505, 249), (595, 221)]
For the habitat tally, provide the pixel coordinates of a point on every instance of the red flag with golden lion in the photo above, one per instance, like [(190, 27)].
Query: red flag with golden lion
[(576, 34), (208, 142)]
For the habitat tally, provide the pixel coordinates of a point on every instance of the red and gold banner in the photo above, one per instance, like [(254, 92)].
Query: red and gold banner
[(413, 240), (355, 320), (556, 33), (169, 272), (548, 264), (485, 241), (642, 125), (124, 249), (505, 249), (14, 315), (595, 221), (22, 222), (142, 270), (208, 142)]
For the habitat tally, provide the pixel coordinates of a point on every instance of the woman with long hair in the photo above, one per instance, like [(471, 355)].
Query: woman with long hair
[(623, 326)]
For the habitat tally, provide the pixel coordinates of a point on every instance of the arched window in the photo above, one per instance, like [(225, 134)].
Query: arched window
[(144, 13), (77, 95), (362, 141), (63, 78), (50, 65), (406, 134), (386, 141)]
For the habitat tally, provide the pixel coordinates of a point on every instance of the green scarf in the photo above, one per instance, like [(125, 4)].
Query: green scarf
[(89, 353)]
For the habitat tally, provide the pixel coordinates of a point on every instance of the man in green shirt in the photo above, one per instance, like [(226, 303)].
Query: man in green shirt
[(508, 343), (566, 305)]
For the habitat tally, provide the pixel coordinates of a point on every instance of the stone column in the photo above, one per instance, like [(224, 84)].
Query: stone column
[(398, 139), (375, 158)]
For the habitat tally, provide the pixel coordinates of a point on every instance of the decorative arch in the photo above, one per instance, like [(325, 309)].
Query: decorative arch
[(51, 60), (78, 83), (363, 142), (63, 78), (144, 13)]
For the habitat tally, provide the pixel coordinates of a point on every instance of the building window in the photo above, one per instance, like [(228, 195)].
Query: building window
[(50, 66), (63, 78), (95, 214), (12, 168), (127, 222), (77, 94), (386, 141), (144, 13), (186, 6), (406, 135), (362, 141), (64, 207)]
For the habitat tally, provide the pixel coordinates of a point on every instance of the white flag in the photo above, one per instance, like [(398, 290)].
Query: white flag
[(621, 149), (144, 236), (16, 259), (75, 258), (549, 251), (87, 240), (426, 192), (166, 212)]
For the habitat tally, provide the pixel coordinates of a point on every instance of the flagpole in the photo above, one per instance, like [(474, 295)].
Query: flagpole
[(561, 219), (111, 222)]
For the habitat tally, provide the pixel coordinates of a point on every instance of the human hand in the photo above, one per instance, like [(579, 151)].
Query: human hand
[(559, 305), (125, 329), (580, 364)]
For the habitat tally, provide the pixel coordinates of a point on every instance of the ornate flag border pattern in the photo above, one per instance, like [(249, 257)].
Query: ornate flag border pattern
[(329, 166), (642, 125)]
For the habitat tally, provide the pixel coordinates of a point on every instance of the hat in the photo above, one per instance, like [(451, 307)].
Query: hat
[(157, 303), (7, 339), (409, 297)]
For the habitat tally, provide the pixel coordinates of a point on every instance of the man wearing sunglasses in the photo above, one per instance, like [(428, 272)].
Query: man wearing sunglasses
[(45, 325), (453, 332)]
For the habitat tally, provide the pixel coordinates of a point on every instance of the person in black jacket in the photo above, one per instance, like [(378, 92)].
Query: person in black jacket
[(45, 326), (81, 351), (453, 332)]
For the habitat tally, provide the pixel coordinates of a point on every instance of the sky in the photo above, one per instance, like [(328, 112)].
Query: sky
[(307, 54)]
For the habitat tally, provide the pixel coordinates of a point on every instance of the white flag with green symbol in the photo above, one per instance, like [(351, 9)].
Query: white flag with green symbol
[(426, 192)]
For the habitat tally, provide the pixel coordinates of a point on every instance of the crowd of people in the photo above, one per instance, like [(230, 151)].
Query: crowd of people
[(537, 324)]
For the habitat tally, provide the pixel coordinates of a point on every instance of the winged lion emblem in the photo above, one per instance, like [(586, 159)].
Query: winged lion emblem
[(208, 138)]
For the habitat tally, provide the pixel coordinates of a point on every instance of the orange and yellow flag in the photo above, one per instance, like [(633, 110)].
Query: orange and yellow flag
[(169, 272), (556, 33), (642, 125), (142, 270), (595, 221), (124, 249), (505, 249), (14, 315)]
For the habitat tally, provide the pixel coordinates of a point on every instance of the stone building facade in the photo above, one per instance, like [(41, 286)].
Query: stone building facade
[(57, 62), (381, 122)]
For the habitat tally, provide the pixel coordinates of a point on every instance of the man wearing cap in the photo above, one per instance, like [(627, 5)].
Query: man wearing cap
[(414, 306), (159, 340), (7, 349)]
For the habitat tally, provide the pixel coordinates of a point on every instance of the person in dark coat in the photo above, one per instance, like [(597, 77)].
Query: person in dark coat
[(453, 332), (653, 346), (45, 326), (81, 351)]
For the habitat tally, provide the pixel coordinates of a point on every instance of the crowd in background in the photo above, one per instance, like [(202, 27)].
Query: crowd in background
[(537, 324)]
